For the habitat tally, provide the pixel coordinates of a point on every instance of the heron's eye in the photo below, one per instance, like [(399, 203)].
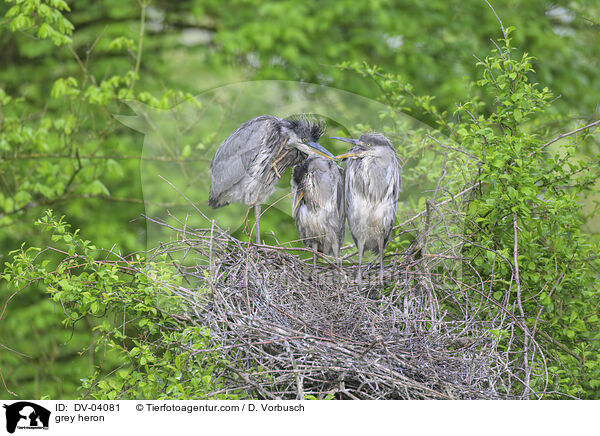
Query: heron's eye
[(368, 144), (303, 139)]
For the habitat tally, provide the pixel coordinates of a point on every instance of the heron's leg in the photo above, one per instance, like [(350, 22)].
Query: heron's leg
[(336, 254), (340, 276), (361, 246), (246, 221), (380, 243), (257, 222), (314, 271)]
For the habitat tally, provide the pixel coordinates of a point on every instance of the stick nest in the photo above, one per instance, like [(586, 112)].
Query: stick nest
[(288, 330)]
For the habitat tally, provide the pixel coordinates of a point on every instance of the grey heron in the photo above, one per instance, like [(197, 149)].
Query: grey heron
[(318, 204), (249, 162), (372, 183)]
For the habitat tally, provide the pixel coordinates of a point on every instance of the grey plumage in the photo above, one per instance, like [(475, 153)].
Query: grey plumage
[(249, 162), (371, 187), (317, 186)]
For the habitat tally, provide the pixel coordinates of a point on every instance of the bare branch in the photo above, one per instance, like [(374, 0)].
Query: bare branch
[(572, 132)]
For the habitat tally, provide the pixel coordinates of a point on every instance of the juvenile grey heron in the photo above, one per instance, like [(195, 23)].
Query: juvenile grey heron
[(371, 185), (318, 204), (248, 163)]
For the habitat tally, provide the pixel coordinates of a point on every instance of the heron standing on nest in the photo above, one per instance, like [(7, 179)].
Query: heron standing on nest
[(372, 183), (318, 204), (249, 162)]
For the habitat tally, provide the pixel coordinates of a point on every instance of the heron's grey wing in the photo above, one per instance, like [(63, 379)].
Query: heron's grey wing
[(353, 182), (295, 192), (341, 206), (380, 179), (399, 169), (246, 137), (233, 158), (225, 174), (395, 173)]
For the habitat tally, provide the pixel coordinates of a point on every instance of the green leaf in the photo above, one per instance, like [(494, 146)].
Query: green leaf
[(517, 115)]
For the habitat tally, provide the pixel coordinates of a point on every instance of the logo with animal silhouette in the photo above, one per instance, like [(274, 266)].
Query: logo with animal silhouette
[(26, 415)]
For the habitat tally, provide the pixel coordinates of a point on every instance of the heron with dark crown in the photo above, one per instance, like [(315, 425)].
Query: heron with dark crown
[(318, 204), (249, 162)]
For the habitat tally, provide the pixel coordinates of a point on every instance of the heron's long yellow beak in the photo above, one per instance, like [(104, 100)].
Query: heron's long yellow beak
[(320, 150), (299, 198), (345, 155), (326, 155)]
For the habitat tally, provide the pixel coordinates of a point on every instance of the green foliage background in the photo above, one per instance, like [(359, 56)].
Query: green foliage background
[(65, 67)]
